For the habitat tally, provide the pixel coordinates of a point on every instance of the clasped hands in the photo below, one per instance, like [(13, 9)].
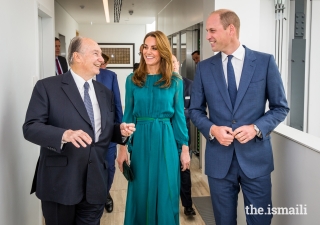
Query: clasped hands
[(80, 138), (226, 136)]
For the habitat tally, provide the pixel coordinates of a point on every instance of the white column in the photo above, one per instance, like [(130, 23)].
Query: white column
[(314, 68)]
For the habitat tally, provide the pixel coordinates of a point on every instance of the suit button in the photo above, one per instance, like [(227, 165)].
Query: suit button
[(234, 121)]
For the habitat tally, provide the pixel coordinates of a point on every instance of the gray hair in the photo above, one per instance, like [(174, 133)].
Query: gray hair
[(75, 46)]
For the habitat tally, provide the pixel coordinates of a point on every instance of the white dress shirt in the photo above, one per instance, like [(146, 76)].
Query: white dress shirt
[(95, 105), (237, 63)]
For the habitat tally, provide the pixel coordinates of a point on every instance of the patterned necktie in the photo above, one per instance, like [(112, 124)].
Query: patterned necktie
[(58, 67), (88, 103), (232, 86)]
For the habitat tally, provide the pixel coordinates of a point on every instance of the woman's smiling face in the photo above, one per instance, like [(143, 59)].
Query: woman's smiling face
[(150, 52)]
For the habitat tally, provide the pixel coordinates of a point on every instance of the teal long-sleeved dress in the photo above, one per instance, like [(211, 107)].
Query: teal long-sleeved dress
[(153, 196)]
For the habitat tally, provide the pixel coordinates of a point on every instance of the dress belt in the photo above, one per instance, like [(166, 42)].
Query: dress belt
[(150, 119)]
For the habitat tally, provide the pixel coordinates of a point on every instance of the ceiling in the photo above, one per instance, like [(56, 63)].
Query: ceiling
[(144, 11)]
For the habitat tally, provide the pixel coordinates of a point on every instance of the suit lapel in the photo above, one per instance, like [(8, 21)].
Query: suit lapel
[(248, 69), (220, 79), (104, 108), (70, 88)]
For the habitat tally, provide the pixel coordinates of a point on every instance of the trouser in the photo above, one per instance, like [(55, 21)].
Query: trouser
[(82, 213)]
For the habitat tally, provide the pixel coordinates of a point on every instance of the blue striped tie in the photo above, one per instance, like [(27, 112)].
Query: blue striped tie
[(232, 86), (88, 103)]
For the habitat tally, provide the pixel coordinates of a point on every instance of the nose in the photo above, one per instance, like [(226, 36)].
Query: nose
[(207, 36), (148, 49)]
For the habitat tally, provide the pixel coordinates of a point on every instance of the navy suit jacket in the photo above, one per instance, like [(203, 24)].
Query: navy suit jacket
[(109, 79), (63, 63), (187, 84), (69, 174), (260, 81)]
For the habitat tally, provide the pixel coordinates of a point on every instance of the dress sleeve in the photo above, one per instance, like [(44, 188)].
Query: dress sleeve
[(129, 100), (178, 120), (128, 109)]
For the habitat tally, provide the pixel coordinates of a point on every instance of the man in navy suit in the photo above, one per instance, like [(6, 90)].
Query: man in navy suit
[(109, 79), (71, 117), (235, 85), (61, 62)]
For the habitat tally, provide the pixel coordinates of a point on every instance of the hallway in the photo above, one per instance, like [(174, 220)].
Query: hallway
[(119, 193)]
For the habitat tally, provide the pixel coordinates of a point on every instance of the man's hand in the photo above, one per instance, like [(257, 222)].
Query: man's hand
[(127, 129), (223, 134), (244, 133), (122, 156), (77, 137), (185, 158)]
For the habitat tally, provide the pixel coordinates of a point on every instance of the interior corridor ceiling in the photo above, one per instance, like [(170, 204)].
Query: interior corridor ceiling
[(87, 11)]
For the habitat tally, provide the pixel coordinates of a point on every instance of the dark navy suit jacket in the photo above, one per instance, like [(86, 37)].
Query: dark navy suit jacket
[(63, 63), (109, 79), (260, 81), (187, 84), (69, 174)]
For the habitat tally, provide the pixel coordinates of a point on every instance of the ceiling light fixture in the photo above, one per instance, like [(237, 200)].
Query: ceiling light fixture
[(106, 10)]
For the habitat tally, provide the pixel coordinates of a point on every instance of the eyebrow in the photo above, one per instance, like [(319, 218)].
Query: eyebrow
[(150, 46)]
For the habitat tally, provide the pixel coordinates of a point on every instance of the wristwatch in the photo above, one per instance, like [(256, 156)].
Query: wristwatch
[(257, 130)]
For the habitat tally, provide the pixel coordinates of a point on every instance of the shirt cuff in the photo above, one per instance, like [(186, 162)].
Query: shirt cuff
[(211, 137)]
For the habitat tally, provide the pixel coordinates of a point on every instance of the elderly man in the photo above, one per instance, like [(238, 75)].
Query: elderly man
[(72, 118)]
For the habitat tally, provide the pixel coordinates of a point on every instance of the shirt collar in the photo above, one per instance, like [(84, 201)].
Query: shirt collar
[(80, 81), (238, 54)]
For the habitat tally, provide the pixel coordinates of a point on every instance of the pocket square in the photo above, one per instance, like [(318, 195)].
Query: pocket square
[(127, 172)]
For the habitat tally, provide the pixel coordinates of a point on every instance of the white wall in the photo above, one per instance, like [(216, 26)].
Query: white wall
[(64, 24), (117, 33), (180, 14), (18, 63)]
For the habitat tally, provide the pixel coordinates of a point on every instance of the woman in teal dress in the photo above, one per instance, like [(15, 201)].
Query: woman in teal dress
[(154, 102)]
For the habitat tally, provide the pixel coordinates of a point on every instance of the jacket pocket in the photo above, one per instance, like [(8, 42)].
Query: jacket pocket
[(56, 161)]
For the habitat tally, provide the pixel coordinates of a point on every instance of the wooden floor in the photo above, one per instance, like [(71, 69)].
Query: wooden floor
[(119, 193)]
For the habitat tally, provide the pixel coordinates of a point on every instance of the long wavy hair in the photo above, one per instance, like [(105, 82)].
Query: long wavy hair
[(166, 67)]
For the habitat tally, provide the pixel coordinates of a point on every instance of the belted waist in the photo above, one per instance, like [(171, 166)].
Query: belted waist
[(150, 119)]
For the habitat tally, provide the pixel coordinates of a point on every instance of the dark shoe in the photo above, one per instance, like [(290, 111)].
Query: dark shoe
[(189, 211), (109, 204), (196, 153)]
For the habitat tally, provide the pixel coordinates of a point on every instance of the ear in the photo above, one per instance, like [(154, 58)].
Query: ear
[(232, 29), (77, 57)]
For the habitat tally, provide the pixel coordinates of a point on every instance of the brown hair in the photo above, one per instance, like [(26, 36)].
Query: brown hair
[(228, 17), (105, 57), (166, 67)]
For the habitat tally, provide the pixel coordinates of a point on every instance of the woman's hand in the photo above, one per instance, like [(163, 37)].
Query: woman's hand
[(185, 158), (122, 156), (127, 129)]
